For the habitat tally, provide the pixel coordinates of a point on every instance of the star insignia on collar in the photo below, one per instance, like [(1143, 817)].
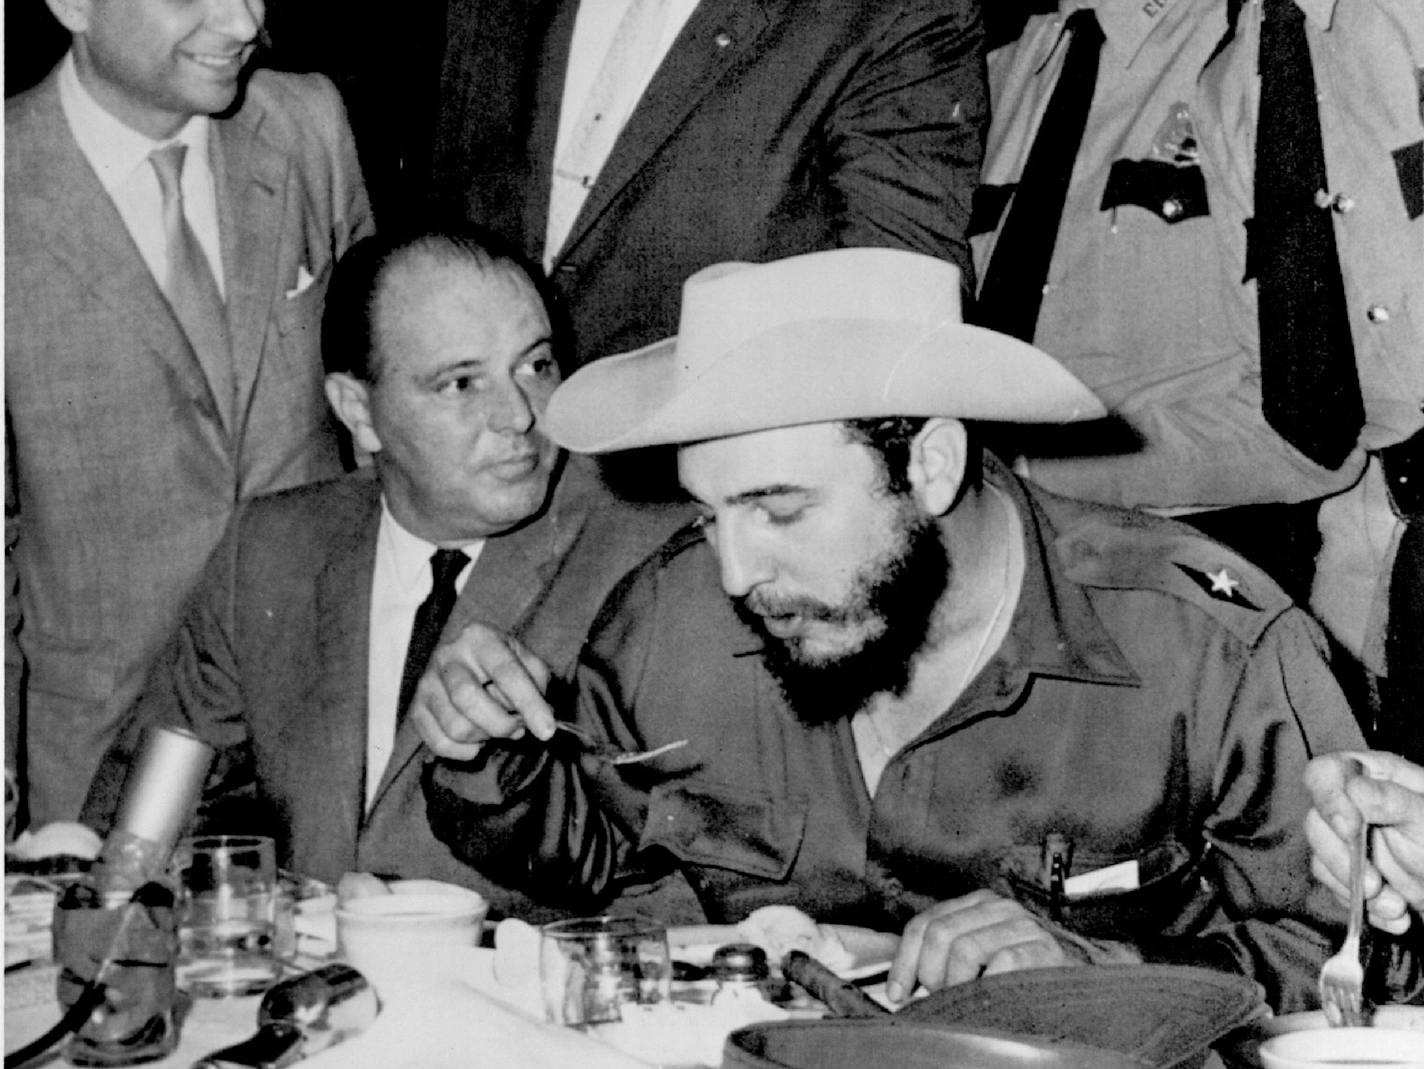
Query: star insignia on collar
[(1220, 585), (1223, 582)]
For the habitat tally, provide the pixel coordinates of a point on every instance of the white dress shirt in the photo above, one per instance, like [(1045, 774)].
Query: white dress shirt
[(594, 27), (119, 156), (400, 582)]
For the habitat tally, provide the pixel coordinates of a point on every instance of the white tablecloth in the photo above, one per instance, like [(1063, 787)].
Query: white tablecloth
[(460, 1020)]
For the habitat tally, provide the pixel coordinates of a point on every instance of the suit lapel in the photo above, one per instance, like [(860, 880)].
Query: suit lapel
[(251, 176), (84, 232), (551, 66), (717, 36), (340, 721), (511, 573)]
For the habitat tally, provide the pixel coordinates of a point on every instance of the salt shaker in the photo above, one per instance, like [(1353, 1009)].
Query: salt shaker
[(741, 971)]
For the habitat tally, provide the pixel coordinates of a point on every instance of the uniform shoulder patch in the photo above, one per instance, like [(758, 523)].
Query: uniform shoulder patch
[(1222, 584), (1121, 550)]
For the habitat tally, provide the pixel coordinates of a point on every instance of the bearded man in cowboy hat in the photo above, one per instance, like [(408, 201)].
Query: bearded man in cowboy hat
[(886, 681)]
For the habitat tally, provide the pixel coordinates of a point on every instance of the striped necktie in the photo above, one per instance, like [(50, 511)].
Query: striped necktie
[(190, 287)]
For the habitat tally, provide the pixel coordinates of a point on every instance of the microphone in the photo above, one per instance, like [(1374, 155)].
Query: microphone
[(159, 796), (116, 933)]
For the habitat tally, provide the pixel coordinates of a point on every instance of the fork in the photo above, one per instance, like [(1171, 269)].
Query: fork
[(614, 755), (588, 742), (1342, 976)]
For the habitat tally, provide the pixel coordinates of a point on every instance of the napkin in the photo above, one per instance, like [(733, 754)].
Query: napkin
[(59, 839), (454, 1020)]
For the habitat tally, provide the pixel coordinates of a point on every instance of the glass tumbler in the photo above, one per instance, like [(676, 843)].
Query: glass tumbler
[(228, 924), (591, 968)]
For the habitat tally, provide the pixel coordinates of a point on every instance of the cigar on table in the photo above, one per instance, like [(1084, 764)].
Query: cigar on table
[(841, 997)]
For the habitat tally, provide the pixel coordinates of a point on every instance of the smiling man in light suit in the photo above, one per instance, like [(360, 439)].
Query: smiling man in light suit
[(169, 226)]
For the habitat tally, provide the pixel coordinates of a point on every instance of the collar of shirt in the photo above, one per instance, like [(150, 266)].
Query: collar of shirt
[(119, 156), (405, 557), (116, 150), (1054, 629), (1127, 24)]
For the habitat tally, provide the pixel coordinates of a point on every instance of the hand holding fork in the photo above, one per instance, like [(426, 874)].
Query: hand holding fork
[(486, 686), (1342, 976)]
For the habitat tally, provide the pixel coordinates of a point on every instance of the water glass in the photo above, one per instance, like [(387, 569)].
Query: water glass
[(228, 923), (591, 968)]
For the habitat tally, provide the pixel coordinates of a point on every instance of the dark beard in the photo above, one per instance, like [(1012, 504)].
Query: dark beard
[(902, 589)]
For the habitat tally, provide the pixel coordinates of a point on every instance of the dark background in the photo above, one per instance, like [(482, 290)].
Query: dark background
[(384, 56)]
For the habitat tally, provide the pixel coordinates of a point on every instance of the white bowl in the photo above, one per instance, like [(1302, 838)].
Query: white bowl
[(1373, 1048), (400, 940)]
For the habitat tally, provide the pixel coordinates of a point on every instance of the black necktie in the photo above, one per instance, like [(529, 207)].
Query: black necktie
[(1401, 723), (1012, 291), (1310, 391), (445, 567)]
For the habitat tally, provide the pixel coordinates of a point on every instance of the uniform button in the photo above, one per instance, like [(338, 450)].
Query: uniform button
[(723, 39), (1377, 313), (1171, 208), (1342, 203)]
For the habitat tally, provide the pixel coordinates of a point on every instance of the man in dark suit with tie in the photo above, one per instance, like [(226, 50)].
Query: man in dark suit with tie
[(729, 131), (169, 225), (315, 616)]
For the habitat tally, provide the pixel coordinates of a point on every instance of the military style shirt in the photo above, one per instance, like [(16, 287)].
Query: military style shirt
[(1150, 300), (1153, 703)]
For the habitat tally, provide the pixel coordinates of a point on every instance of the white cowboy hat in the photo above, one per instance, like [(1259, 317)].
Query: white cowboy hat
[(842, 334)]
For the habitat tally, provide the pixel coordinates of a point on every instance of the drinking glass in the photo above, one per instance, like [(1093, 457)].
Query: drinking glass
[(227, 927), (591, 968)]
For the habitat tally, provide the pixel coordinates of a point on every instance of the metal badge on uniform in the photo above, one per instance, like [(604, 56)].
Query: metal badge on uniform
[(1222, 584), (1176, 140), (1168, 181)]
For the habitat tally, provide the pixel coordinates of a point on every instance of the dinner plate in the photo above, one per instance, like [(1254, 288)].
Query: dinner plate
[(1241, 1049), (871, 952)]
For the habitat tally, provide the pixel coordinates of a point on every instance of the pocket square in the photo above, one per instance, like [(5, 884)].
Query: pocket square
[(304, 280)]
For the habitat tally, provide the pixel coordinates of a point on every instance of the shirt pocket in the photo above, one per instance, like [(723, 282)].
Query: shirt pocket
[(1169, 880), (727, 827)]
